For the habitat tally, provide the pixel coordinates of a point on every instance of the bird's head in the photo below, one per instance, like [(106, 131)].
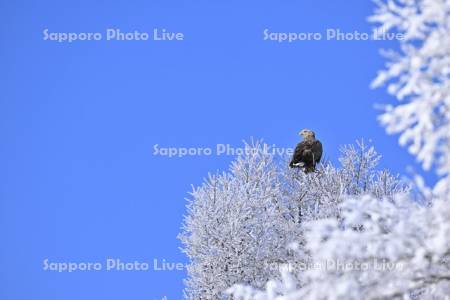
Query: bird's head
[(307, 134)]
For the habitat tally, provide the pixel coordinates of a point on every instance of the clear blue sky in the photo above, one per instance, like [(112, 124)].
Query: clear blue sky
[(78, 123)]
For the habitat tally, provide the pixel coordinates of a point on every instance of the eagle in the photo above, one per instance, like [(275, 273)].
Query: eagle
[(308, 152)]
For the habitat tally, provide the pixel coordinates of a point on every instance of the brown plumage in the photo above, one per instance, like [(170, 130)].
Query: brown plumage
[(308, 152)]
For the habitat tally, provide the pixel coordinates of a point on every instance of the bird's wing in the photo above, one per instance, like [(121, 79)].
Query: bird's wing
[(297, 157), (317, 150)]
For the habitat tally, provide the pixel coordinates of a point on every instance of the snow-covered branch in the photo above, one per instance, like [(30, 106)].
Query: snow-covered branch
[(380, 249), (239, 224), (419, 77)]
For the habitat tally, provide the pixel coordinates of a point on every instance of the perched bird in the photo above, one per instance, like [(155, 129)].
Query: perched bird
[(308, 152)]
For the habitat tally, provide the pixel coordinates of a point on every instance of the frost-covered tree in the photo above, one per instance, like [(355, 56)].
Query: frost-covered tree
[(318, 196), (418, 75), (233, 226), (390, 247), (380, 249), (239, 224)]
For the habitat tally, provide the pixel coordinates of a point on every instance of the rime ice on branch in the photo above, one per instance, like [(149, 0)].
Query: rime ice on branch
[(240, 224), (419, 77)]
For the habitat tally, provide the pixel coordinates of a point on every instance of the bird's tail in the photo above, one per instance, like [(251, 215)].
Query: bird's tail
[(309, 169)]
